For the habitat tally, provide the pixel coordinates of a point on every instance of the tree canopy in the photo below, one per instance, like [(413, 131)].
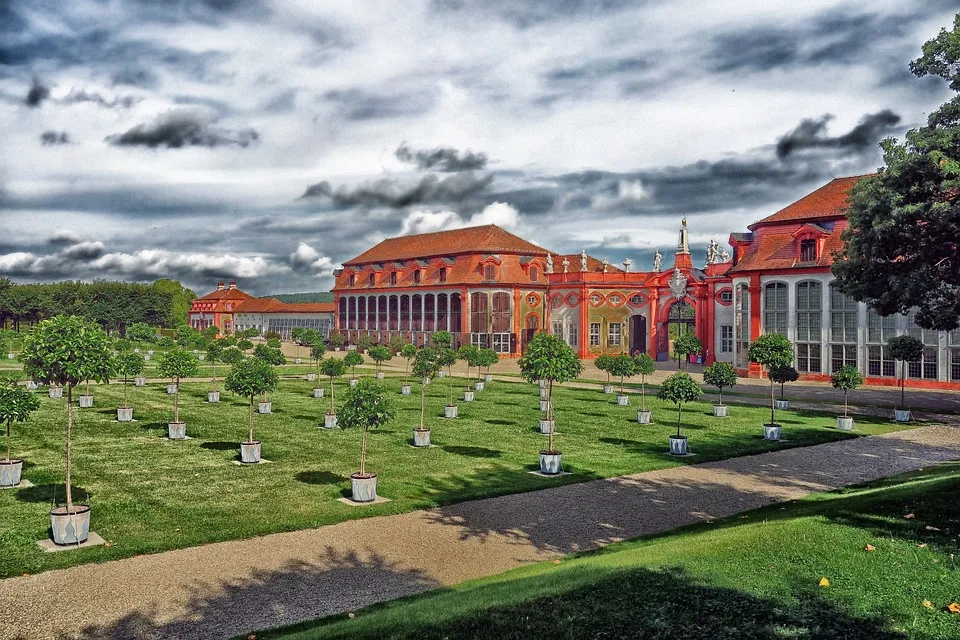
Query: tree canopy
[(178, 363), (252, 377), (66, 350), (548, 357)]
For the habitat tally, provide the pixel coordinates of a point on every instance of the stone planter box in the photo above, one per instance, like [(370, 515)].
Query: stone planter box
[(70, 527), (551, 462), (478, 386), (719, 411), (336, 348), (86, 402), (149, 352), (902, 415), (55, 392), (623, 401), (171, 389), (146, 358), (318, 392), (404, 389), (782, 405), (543, 384), (678, 445), (139, 382), (136, 350), (11, 356), (176, 430), (441, 374), (380, 375), (250, 452), (488, 377), (544, 394), (31, 385), (426, 381), (196, 351), (547, 426), (468, 396), (844, 423), (450, 411), (363, 487), (644, 417), (264, 407), (213, 396), (771, 432), (202, 357), (608, 389), (311, 377), (329, 421), (124, 414), (544, 404), (421, 437), (10, 472), (297, 361), (353, 382)]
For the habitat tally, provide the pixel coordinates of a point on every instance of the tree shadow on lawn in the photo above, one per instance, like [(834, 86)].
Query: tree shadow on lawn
[(319, 477), (48, 492), (271, 598), (473, 452), (220, 446), (504, 423)]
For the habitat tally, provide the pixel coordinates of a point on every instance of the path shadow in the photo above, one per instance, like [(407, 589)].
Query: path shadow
[(47, 492), (473, 452), (319, 477), (220, 446)]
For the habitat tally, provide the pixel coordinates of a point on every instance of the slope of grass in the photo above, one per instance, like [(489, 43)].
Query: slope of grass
[(149, 494), (750, 576)]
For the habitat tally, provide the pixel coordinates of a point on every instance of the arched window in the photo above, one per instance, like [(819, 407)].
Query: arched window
[(489, 272), (534, 272), (775, 308), (809, 323), (382, 313), (352, 312), (353, 279), (742, 323), (417, 302), (478, 313), (362, 312), (372, 279), (843, 330), (442, 313), (416, 276), (343, 313), (455, 310), (429, 309), (394, 324), (404, 313)]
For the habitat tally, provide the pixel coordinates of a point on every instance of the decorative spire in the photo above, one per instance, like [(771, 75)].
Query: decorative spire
[(682, 246)]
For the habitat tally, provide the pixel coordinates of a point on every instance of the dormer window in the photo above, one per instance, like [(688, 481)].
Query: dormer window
[(373, 279), (489, 272), (416, 276), (808, 250), (442, 275), (533, 274), (353, 280), (393, 278)]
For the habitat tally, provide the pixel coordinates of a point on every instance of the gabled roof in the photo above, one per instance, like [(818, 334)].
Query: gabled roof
[(226, 294), (829, 201), (485, 239), (777, 249), (272, 305)]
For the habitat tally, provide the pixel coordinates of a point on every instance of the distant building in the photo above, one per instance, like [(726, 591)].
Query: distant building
[(232, 310)]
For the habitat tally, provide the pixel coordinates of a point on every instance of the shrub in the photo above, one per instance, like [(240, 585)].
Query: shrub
[(685, 345), (771, 350), (783, 375), (905, 349), (365, 406), (380, 354), (645, 366), (548, 357), (353, 360), (333, 368), (249, 378), (126, 365), (177, 364), (16, 405), (425, 365), (678, 389), (622, 366), (720, 375), (846, 379)]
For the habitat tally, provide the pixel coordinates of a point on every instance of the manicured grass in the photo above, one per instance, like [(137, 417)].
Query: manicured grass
[(150, 494), (749, 576)]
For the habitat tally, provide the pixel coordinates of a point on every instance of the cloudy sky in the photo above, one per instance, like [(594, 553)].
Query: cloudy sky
[(267, 141)]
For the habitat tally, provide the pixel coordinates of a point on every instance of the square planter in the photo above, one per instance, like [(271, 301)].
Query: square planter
[(608, 389), (311, 377), (70, 527), (177, 430), (31, 385), (139, 382), (146, 358), (363, 487), (149, 352), (771, 432), (622, 400), (404, 389), (544, 394), (86, 402), (318, 392), (296, 361), (782, 405), (478, 386), (551, 462), (55, 392), (10, 472), (201, 357), (213, 397), (441, 374), (547, 426), (124, 414), (421, 437), (845, 424), (380, 375), (264, 407), (902, 415), (719, 411), (645, 417), (353, 382), (468, 396), (250, 452), (488, 377), (11, 356), (544, 404), (329, 421), (426, 381), (450, 411), (678, 445), (171, 389)]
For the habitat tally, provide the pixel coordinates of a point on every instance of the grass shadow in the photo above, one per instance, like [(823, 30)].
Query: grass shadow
[(221, 446), (505, 423), (319, 477), (48, 492), (473, 452)]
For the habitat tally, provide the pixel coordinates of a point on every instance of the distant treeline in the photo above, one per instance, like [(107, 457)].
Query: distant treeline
[(113, 305), (316, 296)]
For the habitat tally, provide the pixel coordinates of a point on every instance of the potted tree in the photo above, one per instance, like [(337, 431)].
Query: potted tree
[(178, 364), (214, 353), (469, 353), (16, 405), (336, 340), (645, 366), (904, 349), (447, 357), (846, 379), (490, 358), (332, 368), (365, 406), (549, 358), (380, 354), (317, 351), (441, 340), (272, 355), (86, 398), (408, 352), (769, 351), (231, 355), (781, 376), (296, 334), (425, 366), (364, 343), (396, 343), (126, 365), (720, 375), (622, 366), (65, 351), (352, 360), (602, 362), (678, 389), (686, 345), (250, 378)]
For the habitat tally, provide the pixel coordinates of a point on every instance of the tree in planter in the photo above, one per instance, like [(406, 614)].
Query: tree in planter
[(317, 351), (622, 366), (380, 354), (64, 351), (425, 366), (488, 358), (231, 355), (250, 378), (296, 334), (270, 353), (771, 350), (447, 357), (337, 340), (16, 405), (365, 406), (252, 332), (215, 352), (783, 375), (178, 364), (244, 345), (904, 349), (333, 368), (686, 345), (441, 339), (396, 344), (720, 375), (549, 358), (602, 362), (353, 360), (141, 332), (127, 365), (166, 342), (364, 343), (408, 353), (846, 379), (645, 366), (469, 353), (678, 389)]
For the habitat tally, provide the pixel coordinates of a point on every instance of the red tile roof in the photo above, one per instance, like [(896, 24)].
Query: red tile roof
[(272, 305), (226, 294), (777, 250), (485, 239), (594, 265), (829, 201)]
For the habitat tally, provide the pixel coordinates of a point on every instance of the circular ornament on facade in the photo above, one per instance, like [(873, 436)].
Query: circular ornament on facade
[(637, 300), (556, 301), (615, 299), (533, 299), (573, 300), (596, 299), (725, 296)]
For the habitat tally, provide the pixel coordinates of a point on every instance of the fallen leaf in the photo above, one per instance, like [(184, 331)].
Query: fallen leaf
[(927, 604), (351, 615), (869, 547), (108, 544), (824, 582), (909, 516), (556, 562), (929, 528), (26, 575), (953, 607), (922, 545), (251, 637)]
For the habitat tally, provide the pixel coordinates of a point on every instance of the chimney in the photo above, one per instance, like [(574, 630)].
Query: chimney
[(233, 284), (219, 286)]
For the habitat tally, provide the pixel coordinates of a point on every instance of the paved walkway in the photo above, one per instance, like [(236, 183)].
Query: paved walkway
[(224, 589)]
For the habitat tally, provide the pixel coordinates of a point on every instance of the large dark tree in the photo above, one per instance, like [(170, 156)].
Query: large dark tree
[(903, 245)]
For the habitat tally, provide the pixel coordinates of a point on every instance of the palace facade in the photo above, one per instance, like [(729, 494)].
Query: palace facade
[(491, 288)]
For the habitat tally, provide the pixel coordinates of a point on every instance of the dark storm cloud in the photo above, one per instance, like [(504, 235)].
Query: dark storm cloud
[(82, 95), (600, 69), (391, 193), (37, 93), (135, 77), (811, 134), (131, 203), (53, 138), (441, 158), (83, 251), (183, 128), (358, 104)]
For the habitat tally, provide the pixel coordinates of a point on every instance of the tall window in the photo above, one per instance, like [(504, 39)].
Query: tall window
[(417, 307), (353, 279), (455, 303), (557, 329), (726, 338), (393, 278), (442, 275), (926, 367), (533, 274), (442, 313), (478, 313), (775, 308), (843, 330), (742, 323), (953, 339), (613, 339), (501, 312), (879, 330), (372, 279), (808, 250), (416, 276), (573, 334), (429, 311), (489, 272), (809, 332), (362, 312), (594, 334), (394, 307), (404, 313)]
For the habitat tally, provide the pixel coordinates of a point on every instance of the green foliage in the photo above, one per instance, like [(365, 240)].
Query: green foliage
[(365, 406), (602, 362), (364, 342), (231, 355), (296, 334), (846, 379), (547, 357), (178, 363), (141, 332), (905, 348), (380, 354), (252, 332), (446, 357), (318, 350), (679, 388), (310, 337), (771, 350), (333, 367), (469, 353), (252, 377), (244, 345), (353, 360), (119, 345), (214, 350), (269, 354), (783, 375), (337, 339), (488, 358), (270, 335), (408, 351), (720, 375), (645, 364), (16, 403), (273, 342), (687, 344), (166, 342), (397, 343), (426, 363), (441, 339), (127, 364), (66, 350), (180, 300), (622, 366)]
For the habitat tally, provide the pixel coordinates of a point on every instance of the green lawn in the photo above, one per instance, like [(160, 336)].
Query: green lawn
[(750, 576), (150, 494)]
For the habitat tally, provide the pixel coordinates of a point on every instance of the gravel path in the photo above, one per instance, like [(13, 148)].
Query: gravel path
[(224, 589)]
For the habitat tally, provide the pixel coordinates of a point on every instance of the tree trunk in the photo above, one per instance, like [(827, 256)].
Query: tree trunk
[(176, 402), (69, 430), (9, 422), (213, 366), (250, 426), (333, 409), (643, 393), (363, 453), (844, 403), (773, 417), (621, 385), (422, 389), (782, 385), (903, 404), (721, 395), (679, 410), (550, 414), (124, 391), (450, 381)]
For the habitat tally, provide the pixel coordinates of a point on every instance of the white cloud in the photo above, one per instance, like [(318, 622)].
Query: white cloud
[(426, 221), (628, 193), (307, 257)]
